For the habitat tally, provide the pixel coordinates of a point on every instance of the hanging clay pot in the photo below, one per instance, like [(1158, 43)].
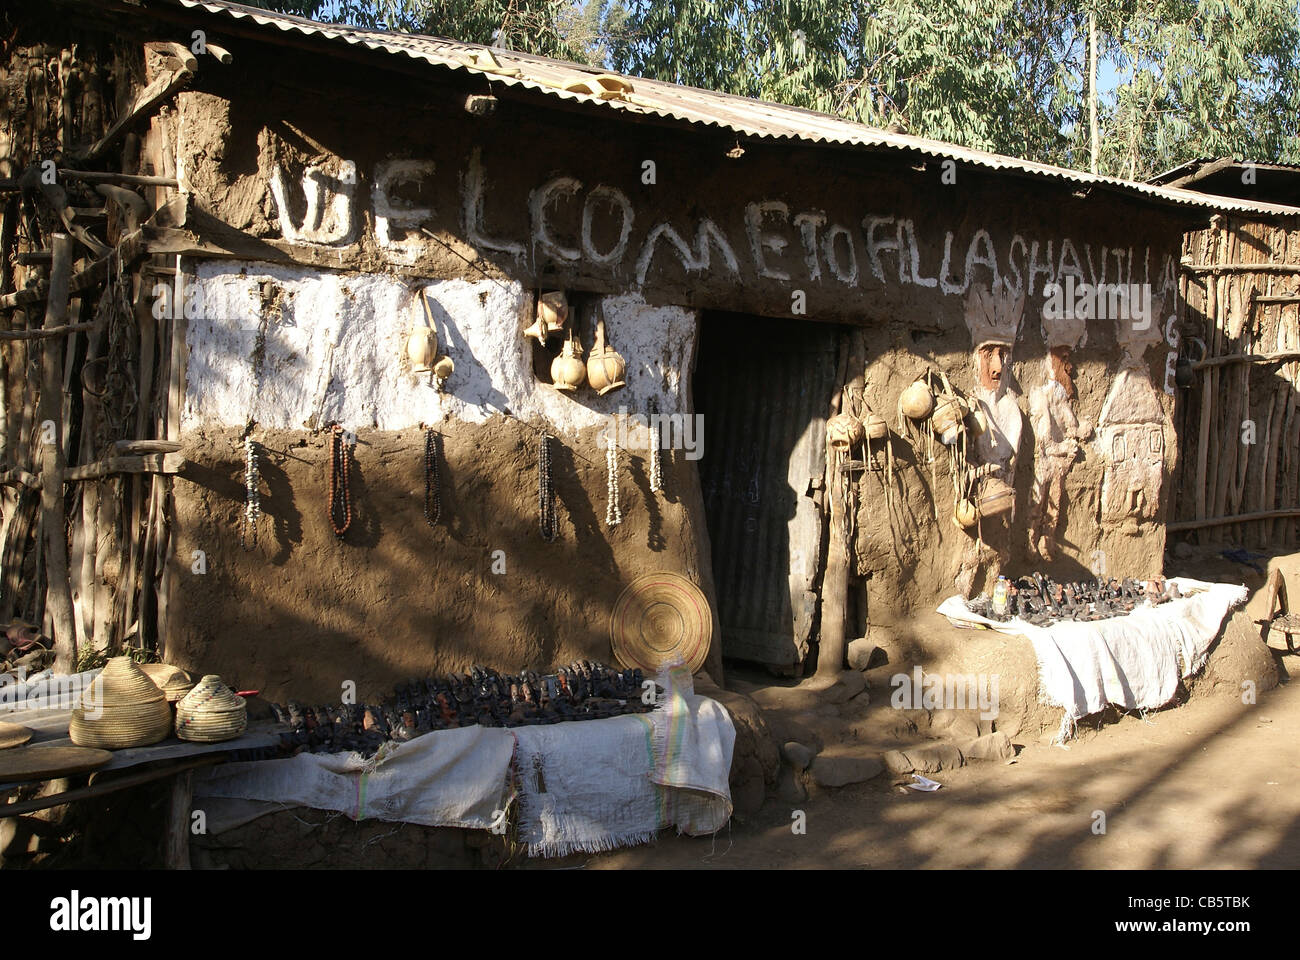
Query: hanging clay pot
[(844, 431), (605, 367), (965, 514), (443, 368), (996, 497), (553, 308), (979, 423), (422, 348), (567, 370), (875, 426), (552, 315), (916, 401)]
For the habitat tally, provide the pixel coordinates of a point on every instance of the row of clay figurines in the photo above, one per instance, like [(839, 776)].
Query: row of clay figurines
[(604, 368)]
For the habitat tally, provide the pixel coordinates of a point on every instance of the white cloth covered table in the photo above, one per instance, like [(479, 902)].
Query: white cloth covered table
[(1134, 661)]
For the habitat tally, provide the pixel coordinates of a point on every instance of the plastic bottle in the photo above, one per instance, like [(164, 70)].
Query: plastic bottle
[(1000, 598)]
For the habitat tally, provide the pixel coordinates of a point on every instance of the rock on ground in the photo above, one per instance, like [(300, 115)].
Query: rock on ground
[(797, 755), (842, 769), (859, 653), (993, 746)]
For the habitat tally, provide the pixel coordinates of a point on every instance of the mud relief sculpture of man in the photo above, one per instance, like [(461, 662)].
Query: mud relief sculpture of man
[(993, 318), (1058, 432)]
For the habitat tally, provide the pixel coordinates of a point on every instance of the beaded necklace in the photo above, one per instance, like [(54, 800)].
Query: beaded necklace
[(252, 499), (340, 508), (613, 512), (545, 490), (432, 488)]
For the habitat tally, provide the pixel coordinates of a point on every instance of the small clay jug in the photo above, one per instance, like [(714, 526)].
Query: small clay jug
[(422, 348), (916, 401), (605, 367), (567, 370), (965, 514), (844, 431)]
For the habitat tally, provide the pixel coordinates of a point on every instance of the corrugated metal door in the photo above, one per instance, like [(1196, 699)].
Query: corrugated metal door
[(763, 387)]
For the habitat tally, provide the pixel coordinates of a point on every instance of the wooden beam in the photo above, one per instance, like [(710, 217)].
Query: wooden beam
[(102, 787), (50, 412), (1239, 518), (162, 88), (1280, 356), (1242, 267), (118, 179), (147, 463), (146, 446), (20, 478), (42, 333)]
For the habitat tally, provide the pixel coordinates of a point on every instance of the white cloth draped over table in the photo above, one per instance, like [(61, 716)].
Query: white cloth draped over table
[(1134, 661), (584, 786)]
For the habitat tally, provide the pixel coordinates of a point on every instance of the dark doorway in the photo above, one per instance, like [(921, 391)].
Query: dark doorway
[(763, 387)]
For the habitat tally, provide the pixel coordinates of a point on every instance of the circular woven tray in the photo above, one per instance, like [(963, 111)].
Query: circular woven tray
[(13, 735), (660, 618), (45, 763)]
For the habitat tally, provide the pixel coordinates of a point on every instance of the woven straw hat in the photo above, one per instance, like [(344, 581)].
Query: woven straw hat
[(121, 708), (659, 618), (13, 735), (172, 681), (211, 712)]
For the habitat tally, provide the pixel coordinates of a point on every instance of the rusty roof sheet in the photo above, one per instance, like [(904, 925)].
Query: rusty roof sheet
[(744, 116)]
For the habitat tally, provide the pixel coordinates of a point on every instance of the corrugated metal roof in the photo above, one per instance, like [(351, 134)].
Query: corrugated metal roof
[(750, 118)]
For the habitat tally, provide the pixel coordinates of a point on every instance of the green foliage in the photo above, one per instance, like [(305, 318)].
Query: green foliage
[(1191, 77)]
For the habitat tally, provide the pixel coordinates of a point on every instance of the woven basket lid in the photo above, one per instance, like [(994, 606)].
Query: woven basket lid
[(174, 682), (659, 618), (210, 696), (121, 683), (13, 735)]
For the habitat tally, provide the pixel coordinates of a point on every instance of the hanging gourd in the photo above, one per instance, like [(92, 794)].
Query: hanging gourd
[(552, 315), (567, 370), (605, 366)]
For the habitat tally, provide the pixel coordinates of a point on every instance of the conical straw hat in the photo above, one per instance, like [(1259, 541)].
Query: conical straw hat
[(659, 618)]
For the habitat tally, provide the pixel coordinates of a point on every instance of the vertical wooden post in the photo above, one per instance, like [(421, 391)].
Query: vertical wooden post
[(50, 420), (176, 852)]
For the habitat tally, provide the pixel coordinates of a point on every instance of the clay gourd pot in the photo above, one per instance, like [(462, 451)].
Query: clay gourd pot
[(553, 309), (916, 401), (979, 423), (965, 514), (567, 370), (947, 418), (422, 348), (875, 426), (844, 431), (444, 367), (605, 367), (996, 497)]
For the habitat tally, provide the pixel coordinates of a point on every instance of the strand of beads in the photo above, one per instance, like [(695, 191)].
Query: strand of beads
[(613, 512), (340, 507), (656, 463), (545, 492), (252, 499), (432, 488)]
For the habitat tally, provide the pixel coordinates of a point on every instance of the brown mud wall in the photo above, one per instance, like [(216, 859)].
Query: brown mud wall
[(303, 612)]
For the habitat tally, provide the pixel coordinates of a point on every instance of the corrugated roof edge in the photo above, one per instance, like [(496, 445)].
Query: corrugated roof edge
[(748, 117)]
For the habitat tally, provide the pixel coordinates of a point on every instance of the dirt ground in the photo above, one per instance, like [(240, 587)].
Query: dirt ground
[(1213, 784)]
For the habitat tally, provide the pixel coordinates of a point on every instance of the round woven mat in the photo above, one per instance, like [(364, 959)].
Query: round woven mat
[(13, 735), (659, 618), (45, 763)]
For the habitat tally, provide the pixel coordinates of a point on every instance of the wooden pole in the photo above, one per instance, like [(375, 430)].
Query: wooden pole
[(49, 421)]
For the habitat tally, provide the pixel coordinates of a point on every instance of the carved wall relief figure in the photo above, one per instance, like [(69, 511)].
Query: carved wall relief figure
[(1057, 431), (1131, 434), (993, 317)]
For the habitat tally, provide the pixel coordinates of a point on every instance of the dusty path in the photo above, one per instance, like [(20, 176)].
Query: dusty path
[(1213, 784)]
